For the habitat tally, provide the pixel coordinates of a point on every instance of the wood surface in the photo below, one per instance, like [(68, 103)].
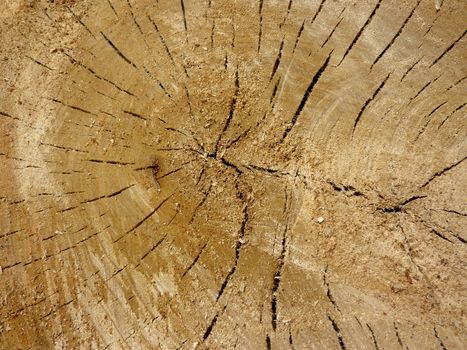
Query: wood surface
[(233, 174)]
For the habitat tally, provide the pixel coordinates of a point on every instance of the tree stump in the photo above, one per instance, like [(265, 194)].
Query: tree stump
[(181, 174)]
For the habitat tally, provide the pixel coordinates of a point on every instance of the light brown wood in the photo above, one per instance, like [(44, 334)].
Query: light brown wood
[(182, 174)]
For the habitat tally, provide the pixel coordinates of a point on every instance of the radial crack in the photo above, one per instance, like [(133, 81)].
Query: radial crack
[(375, 343), (305, 97), (428, 119), (211, 325), (39, 63), (399, 32), (238, 247), (367, 102), (278, 60), (194, 261), (120, 53), (424, 88), (449, 48), (441, 344), (399, 340), (317, 11), (410, 68), (71, 106), (355, 39), (200, 204), (260, 11), (280, 267), (148, 216), (449, 116), (338, 333), (157, 244), (334, 29), (81, 22), (233, 104), (328, 290), (442, 172)]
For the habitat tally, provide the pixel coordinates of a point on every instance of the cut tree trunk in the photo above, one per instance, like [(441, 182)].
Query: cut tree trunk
[(222, 174)]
